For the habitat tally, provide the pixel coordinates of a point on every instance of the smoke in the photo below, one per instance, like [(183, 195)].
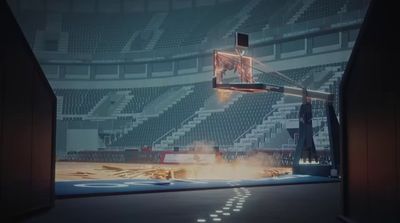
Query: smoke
[(251, 167), (202, 146), (232, 166), (245, 166)]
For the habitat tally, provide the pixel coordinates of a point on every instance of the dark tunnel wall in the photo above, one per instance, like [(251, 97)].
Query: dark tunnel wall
[(371, 120), (27, 125)]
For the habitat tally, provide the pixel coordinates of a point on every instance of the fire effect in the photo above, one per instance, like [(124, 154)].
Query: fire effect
[(254, 166), (227, 62)]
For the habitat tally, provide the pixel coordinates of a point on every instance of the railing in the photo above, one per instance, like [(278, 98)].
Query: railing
[(288, 147), (251, 127), (186, 119), (202, 145), (161, 137), (173, 129), (269, 113)]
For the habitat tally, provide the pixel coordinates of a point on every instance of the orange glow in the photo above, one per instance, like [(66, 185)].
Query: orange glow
[(223, 95), (225, 63)]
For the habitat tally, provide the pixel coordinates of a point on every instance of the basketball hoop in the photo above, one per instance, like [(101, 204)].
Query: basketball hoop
[(240, 52)]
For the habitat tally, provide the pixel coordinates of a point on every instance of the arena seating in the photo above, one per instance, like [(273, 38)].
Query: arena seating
[(80, 102), (147, 132), (221, 128), (119, 29), (100, 33), (355, 4), (214, 16), (31, 26), (94, 34), (193, 24), (141, 97), (260, 15), (84, 31), (294, 74), (320, 9), (97, 34), (272, 131), (174, 34), (111, 124)]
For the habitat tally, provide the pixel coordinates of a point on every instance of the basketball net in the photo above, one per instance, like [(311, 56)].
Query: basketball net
[(241, 52)]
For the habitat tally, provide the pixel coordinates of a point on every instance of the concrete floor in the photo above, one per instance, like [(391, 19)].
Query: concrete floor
[(273, 204)]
